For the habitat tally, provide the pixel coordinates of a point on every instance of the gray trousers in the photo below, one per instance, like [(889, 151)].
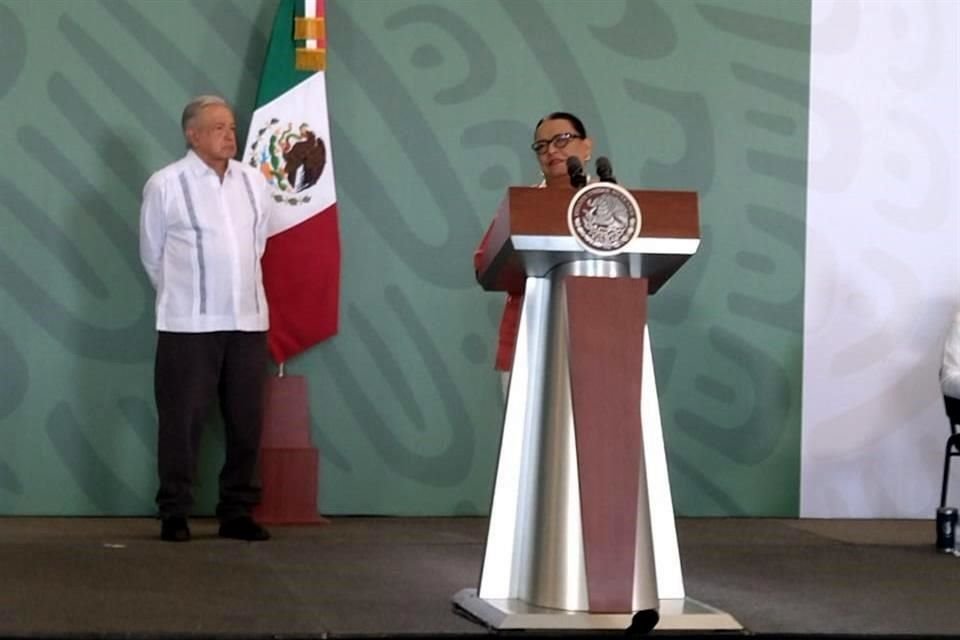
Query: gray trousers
[(193, 371)]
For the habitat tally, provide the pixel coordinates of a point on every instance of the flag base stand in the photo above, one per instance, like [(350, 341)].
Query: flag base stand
[(675, 615), (289, 487), (289, 463)]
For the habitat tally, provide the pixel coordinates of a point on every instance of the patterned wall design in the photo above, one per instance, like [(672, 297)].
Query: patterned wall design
[(432, 107)]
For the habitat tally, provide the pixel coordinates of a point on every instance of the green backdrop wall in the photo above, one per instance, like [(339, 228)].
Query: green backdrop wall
[(432, 109)]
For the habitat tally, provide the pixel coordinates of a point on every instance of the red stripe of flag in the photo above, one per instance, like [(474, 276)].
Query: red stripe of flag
[(301, 274)]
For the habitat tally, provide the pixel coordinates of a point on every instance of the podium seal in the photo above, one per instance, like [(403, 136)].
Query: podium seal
[(603, 217)]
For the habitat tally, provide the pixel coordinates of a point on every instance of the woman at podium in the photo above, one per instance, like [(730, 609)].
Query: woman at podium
[(556, 137)]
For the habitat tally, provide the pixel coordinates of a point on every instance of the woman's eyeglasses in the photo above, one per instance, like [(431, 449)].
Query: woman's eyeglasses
[(559, 141)]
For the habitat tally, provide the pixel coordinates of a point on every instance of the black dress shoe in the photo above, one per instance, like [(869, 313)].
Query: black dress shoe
[(174, 529), (243, 528)]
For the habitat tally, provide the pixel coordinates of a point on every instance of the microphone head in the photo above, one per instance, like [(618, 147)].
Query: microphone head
[(575, 170), (604, 169)]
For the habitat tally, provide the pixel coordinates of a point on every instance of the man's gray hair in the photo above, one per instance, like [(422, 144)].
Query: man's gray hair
[(193, 109)]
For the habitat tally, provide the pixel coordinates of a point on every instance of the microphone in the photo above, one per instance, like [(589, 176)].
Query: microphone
[(605, 170), (575, 170)]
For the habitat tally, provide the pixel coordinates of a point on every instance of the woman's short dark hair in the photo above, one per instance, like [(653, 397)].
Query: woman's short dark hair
[(563, 115)]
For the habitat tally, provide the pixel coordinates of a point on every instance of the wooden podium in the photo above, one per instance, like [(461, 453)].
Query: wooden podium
[(582, 532)]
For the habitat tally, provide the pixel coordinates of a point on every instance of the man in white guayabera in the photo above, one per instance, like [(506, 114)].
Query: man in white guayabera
[(202, 233), (950, 369)]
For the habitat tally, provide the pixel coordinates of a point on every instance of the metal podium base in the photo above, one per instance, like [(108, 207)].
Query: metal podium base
[(675, 615)]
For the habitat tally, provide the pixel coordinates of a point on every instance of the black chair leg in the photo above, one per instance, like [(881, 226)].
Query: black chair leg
[(946, 476)]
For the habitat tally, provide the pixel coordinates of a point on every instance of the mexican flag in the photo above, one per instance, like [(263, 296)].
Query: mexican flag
[(289, 142)]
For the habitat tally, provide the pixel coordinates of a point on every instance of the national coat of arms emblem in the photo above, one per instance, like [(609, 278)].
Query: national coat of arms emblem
[(603, 217), (291, 159)]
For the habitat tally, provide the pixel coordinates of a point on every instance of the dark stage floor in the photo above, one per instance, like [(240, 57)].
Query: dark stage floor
[(80, 577)]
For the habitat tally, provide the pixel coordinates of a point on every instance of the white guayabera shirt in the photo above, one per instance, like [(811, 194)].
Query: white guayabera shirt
[(201, 242), (950, 371)]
